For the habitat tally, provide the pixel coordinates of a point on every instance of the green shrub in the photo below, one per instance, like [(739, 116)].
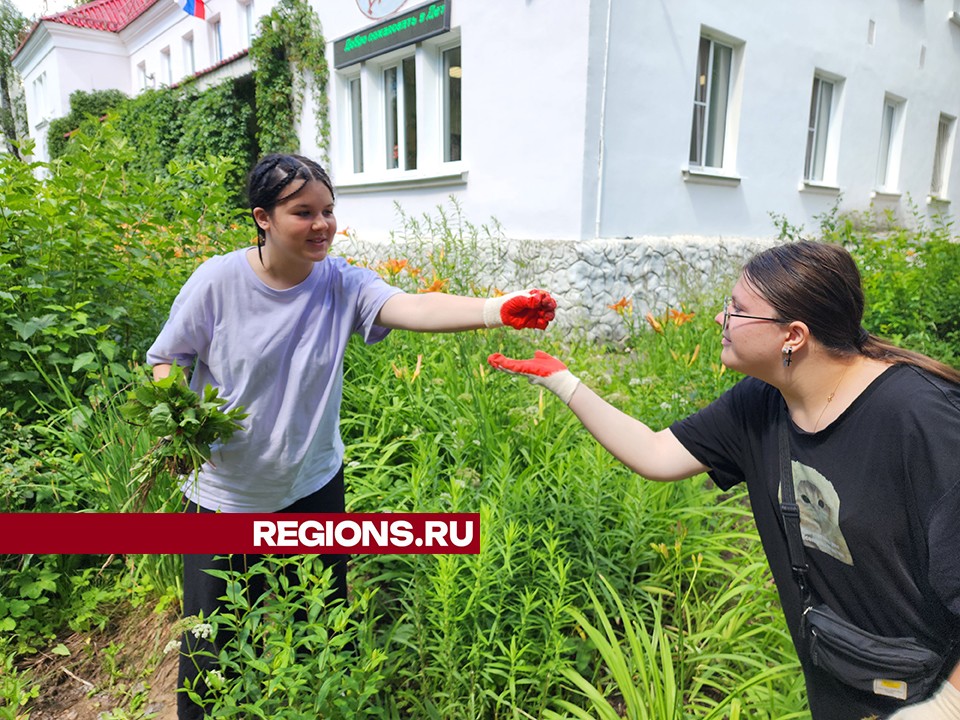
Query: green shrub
[(92, 255)]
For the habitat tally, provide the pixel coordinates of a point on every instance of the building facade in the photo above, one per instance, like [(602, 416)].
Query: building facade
[(618, 119)]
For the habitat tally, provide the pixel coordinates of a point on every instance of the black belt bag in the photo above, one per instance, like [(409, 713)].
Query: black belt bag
[(900, 667)]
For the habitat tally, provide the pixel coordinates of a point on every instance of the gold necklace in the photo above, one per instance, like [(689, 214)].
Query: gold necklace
[(830, 398)]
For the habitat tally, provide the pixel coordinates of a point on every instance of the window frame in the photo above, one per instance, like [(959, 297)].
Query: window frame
[(246, 22), (166, 66), (446, 129), (431, 170), (354, 128), (189, 54), (215, 31), (820, 141), (943, 156), (890, 151), (720, 167), (41, 101), (143, 79)]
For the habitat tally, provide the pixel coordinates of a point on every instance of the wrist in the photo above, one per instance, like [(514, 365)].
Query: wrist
[(563, 384), (492, 317)]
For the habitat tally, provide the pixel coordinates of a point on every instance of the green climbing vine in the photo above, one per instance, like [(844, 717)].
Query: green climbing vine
[(288, 51)]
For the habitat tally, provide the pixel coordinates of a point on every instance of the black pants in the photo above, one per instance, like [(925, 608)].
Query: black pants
[(201, 591)]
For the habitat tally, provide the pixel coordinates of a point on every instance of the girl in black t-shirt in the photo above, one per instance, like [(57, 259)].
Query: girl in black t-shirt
[(872, 427)]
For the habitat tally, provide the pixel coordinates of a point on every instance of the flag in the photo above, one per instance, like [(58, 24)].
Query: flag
[(193, 7)]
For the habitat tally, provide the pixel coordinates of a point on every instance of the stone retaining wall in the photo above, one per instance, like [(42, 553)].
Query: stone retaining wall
[(586, 277)]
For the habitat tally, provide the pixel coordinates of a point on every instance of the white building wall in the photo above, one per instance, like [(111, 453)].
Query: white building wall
[(524, 87), (651, 91), (544, 91)]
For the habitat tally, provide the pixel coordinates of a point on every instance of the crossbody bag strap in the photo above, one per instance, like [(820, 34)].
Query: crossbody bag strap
[(790, 510)]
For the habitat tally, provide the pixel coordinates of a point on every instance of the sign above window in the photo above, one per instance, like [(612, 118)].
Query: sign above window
[(418, 24)]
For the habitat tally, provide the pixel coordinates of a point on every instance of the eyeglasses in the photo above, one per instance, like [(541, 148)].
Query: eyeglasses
[(727, 315)]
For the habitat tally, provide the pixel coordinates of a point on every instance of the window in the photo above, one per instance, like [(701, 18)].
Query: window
[(888, 157), (818, 129), (40, 104), (166, 67), (398, 117), (143, 80), (356, 124), (941, 156), (452, 74), (711, 97), (189, 60), (400, 103), (216, 41), (247, 27)]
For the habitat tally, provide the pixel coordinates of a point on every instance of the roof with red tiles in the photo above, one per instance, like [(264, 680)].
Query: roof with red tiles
[(109, 15)]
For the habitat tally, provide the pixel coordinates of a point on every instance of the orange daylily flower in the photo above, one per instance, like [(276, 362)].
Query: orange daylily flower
[(438, 285), (679, 317), (654, 323), (345, 232), (623, 306), (393, 266)]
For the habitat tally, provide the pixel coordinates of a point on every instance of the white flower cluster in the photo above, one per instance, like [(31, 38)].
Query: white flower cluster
[(202, 630)]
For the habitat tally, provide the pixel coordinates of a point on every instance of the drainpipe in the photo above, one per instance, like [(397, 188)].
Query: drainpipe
[(603, 120)]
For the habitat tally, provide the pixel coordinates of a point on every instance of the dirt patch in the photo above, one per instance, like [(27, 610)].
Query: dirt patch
[(121, 672)]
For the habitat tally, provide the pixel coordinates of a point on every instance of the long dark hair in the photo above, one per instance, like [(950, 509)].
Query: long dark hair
[(272, 175), (820, 285)]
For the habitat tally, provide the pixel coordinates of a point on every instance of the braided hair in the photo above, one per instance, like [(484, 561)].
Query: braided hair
[(272, 176)]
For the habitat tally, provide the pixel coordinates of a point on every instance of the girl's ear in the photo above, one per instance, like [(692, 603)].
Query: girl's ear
[(797, 336), (262, 218)]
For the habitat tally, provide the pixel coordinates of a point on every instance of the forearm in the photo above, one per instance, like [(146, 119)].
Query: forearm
[(161, 370), (432, 312), (654, 455)]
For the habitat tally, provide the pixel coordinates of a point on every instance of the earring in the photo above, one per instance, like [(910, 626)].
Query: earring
[(787, 356)]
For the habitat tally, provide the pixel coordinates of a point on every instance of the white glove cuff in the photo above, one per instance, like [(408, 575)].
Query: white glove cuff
[(491, 309), (949, 699), (562, 384)]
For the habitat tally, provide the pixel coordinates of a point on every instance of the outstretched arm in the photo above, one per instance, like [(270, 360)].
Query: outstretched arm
[(654, 455), (439, 312)]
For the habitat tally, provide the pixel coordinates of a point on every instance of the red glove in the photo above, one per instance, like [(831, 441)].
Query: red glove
[(543, 370), (519, 310)]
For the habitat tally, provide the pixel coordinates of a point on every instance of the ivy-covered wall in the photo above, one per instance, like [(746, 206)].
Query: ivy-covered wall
[(240, 118), (178, 124)]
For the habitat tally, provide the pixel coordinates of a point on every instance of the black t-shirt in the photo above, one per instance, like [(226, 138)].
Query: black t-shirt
[(879, 495)]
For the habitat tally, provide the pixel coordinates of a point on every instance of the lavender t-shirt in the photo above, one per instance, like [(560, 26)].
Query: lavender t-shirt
[(279, 354)]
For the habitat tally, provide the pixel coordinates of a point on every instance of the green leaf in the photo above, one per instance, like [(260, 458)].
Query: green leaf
[(61, 650), (84, 360)]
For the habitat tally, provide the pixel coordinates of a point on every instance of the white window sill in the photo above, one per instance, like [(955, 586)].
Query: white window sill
[(821, 188), (937, 200), (954, 17), (886, 195), (451, 176), (709, 176)]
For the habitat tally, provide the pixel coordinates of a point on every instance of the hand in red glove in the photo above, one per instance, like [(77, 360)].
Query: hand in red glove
[(542, 369), (519, 310)]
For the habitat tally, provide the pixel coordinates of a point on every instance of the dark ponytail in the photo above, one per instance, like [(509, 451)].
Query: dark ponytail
[(819, 284), (272, 176)]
